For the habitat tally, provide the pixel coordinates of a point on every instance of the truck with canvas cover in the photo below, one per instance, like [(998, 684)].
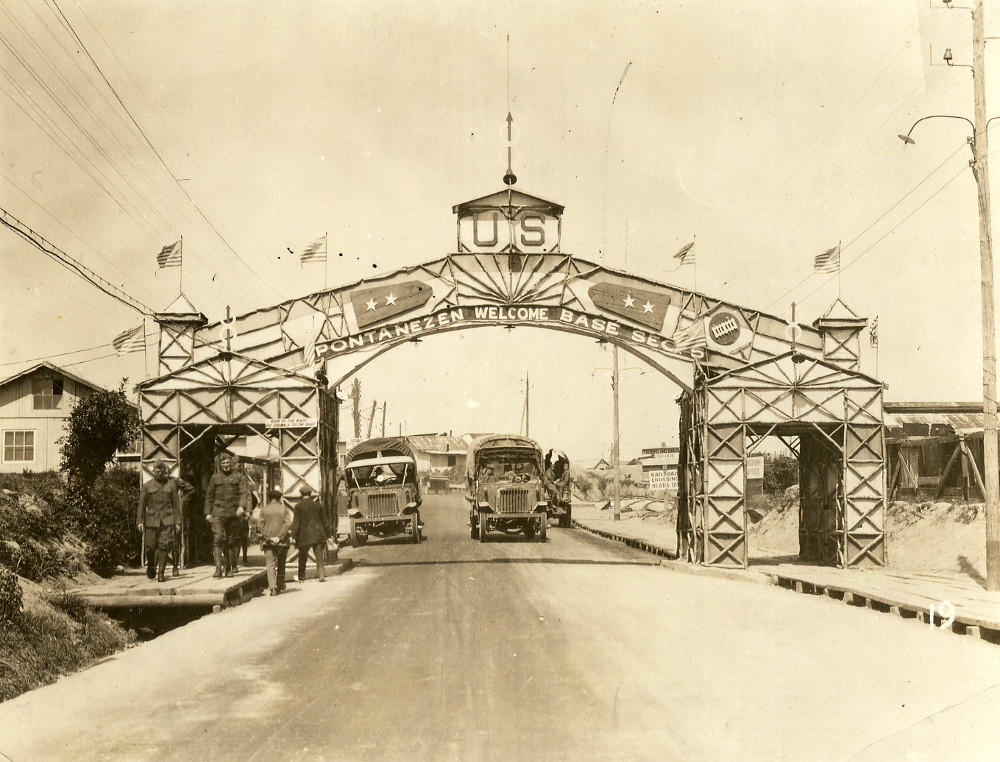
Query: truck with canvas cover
[(383, 490), (504, 487)]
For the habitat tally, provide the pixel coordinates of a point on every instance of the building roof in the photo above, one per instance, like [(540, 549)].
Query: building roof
[(437, 444), (54, 369), (933, 418)]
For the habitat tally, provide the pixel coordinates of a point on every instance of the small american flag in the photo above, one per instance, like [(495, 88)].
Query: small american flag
[(873, 332), (169, 256), (828, 261), (685, 255), (691, 336), (314, 252), (132, 340)]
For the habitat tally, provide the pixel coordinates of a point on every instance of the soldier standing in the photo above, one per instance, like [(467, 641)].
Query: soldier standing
[(158, 518), (226, 502), (186, 492)]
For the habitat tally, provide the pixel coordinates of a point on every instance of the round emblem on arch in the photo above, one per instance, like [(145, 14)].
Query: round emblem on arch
[(724, 328), (793, 332)]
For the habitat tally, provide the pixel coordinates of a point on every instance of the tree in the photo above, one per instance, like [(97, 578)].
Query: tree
[(101, 508), (98, 426), (780, 472), (355, 395)]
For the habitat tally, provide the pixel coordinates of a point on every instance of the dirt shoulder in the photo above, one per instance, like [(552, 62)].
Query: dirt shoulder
[(929, 537)]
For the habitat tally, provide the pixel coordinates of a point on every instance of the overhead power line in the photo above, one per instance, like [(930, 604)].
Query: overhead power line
[(54, 252), (159, 157)]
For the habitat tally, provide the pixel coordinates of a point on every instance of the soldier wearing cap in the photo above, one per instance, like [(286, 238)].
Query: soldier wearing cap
[(158, 518), (226, 501), (310, 528)]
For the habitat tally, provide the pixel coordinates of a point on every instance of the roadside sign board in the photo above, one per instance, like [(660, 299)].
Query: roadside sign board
[(755, 467), (291, 423)]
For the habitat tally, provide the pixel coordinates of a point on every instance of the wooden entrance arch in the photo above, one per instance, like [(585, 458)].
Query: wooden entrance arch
[(751, 374)]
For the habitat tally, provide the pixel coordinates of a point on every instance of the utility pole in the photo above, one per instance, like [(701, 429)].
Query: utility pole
[(383, 417), (980, 169), (617, 459), (527, 406), (371, 419)]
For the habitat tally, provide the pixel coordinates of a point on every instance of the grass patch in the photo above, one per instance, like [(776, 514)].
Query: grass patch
[(56, 634)]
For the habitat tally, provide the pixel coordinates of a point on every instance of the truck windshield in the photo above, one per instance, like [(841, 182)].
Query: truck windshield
[(378, 475), (508, 469)]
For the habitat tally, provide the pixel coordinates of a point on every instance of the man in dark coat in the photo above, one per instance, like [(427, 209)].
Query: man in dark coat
[(226, 501), (186, 493), (158, 518), (309, 532)]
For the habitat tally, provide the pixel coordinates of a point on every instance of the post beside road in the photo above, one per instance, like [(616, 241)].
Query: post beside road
[(980, 169)]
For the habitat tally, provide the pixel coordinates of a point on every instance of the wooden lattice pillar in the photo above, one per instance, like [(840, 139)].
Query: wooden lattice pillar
[(820, 512), (864, 480), (329, 423), (685, 483)]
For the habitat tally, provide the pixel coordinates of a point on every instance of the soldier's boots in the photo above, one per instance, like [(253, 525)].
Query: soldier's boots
[(150, 566), (217, 555), (161, 566)]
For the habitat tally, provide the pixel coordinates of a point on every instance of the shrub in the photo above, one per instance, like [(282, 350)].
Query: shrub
[(11, 604), (32, 529), (107, 520)]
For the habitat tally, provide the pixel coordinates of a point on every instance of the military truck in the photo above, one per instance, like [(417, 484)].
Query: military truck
[(504, 487), (383, 490)]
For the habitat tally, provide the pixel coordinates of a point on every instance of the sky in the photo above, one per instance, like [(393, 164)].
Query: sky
[(766, 132)]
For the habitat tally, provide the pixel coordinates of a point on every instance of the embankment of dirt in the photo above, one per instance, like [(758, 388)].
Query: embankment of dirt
[(930, 537)]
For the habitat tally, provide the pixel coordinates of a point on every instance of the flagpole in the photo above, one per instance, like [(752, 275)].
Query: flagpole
[(839, 254), (145, 355), (694, 240), (180, 285), (326, 256)]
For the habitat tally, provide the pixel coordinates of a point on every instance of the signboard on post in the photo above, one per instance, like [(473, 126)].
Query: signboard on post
[(665, 479), (755, 467), (291, 423)]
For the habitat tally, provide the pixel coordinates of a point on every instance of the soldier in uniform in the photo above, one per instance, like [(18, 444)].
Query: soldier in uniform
[(158, 518), (186, 493), (226, 501)]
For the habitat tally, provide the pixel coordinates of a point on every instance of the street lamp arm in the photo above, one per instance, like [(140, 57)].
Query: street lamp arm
[(907, 139)]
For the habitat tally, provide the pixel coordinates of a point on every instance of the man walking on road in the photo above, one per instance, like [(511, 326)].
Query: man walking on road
[(158, 518), (226, 502), (309, 531)]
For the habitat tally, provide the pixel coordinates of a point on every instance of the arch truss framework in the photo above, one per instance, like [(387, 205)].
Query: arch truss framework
[(204, 406), (754, 374), (831, 418)]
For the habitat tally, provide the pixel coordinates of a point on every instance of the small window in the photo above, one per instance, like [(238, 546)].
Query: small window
[(18, 446), (47, 393)]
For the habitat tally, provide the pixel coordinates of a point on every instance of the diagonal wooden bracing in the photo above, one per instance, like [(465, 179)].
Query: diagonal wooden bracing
[(204, 406), (836, 416)]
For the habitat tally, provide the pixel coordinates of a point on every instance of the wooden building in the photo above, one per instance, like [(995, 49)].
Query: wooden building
[(34, 406), (934, 449)]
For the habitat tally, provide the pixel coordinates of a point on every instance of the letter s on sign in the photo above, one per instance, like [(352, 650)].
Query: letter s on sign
[(532, 223)]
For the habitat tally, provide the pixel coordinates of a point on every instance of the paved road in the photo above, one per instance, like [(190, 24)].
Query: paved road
[(577, 649)]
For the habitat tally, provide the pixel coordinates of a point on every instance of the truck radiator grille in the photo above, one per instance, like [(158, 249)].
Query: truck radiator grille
[(514, 500), (382, 505)]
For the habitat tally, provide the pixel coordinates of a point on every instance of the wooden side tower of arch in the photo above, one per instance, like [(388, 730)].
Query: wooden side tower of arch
[(196, 412), (829, 416)]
